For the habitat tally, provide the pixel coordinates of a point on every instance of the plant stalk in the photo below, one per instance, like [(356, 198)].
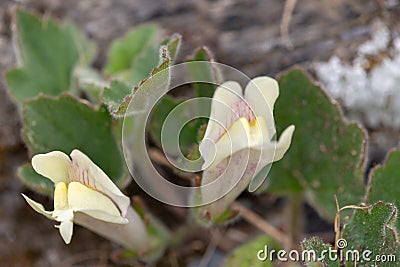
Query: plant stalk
[(295, 220)]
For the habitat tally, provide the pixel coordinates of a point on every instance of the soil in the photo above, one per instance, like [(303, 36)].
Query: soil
[(242, 33)]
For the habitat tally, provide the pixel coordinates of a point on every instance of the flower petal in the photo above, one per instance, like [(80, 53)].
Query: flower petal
[(270, 152), (241, 135), (274, 151), (90, 174), (235, 139), (38, 207), (60, 197), (229, 178), (132, 235), (223, 113), (53, 165), (93, 203), (66, 226), (260, 156), (261, 94)]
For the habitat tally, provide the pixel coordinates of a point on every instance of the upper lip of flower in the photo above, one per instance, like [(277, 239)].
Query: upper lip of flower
[(80, 186), (58, 167), (238, 122)]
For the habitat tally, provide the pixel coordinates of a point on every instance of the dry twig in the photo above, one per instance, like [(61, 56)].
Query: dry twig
[(285, 22), (259, 222)]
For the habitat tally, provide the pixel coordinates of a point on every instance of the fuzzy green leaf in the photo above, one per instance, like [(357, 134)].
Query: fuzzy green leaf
[(65, 123), (35, 181), (143, 64), (159, 114), (373, 229), (173, 44), (49, 53), (206, 72), (189, 136), (119, 95), (313, 248), (114, 95), (326, 157), (369, 239), (124, 51), (90, 82), (384, 181), (246, 254), (86, 49)]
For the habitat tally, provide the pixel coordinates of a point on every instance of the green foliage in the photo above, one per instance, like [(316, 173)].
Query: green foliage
[(45, 69), (189, 135), (326, 156), (119, 95), (159, 114), (86, 49), (316, 245), (143, 64), (65, 123), (206, 72), (246, 254), (89, 82), (158, 234), (171, 46), (384, 181), (125, 53), (131, 60), (114, 95), (34, 180), (374, 229), (369, 239)]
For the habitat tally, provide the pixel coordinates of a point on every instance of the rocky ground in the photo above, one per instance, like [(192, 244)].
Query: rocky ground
[(242, 33)]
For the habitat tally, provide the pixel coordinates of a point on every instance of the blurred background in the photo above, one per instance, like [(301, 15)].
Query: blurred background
[(350, 47)]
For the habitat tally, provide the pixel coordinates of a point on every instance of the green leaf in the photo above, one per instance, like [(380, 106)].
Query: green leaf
[(143, 64), (206, 72), (246, 254), (227, 216), (65, 123), (189, 136), (35, 181), (114, 95), (168, 52), (172, 44), (49, 53), (146, 94), (119, 96), (327, 154), (124, 52), (373, 229), (384, 183), (86, 49), (159, 114), (315, 246), (89, 81)]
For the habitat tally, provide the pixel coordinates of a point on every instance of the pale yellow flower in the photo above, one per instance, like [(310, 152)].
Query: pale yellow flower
[(85, 195), (238, 141)]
